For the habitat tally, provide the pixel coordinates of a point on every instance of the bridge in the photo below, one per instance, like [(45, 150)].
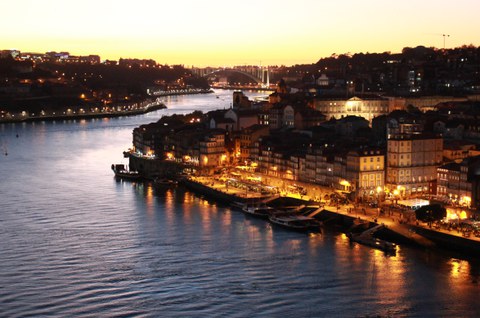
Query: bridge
[(258, 74)]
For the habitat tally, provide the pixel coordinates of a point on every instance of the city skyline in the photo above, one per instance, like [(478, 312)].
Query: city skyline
[(215, 33)]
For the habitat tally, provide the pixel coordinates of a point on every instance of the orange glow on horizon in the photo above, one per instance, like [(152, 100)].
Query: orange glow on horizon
[(220, 33)]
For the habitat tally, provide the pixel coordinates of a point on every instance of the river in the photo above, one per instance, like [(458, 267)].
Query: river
[(76, 242)]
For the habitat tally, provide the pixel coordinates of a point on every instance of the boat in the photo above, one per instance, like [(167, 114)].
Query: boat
[(261, 211), (367, 238), (237, 205), (387, 247), (296, 222), (165, 182), (122, 172)]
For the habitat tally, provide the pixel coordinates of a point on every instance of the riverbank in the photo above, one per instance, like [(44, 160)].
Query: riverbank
[(69, 114), (190, 91), (343, 218), (399, 228)]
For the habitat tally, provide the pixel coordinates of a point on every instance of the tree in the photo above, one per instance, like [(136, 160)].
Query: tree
[(430, 213)]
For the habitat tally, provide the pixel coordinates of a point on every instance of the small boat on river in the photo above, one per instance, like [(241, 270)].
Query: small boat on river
[(261, 211), (387, 247), (296, 222), (367, 238), (122, 172)]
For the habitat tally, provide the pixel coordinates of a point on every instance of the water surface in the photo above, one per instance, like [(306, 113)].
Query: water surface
[(76, 242)]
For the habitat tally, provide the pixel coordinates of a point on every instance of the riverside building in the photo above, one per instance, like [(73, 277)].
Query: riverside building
[(412, 161), (366, 107)]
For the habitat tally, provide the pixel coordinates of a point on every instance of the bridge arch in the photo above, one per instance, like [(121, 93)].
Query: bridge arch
[(252, 77)]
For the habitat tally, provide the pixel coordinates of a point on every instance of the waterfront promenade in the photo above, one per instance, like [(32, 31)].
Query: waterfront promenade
[(401, 222), (126, 110), (130, 109)]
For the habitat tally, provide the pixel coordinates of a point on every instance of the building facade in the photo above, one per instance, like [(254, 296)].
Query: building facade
[(366, 173), (412, 162), (367, 108)]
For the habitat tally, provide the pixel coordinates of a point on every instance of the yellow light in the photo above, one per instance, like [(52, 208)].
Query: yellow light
[(379, 189), (344, 183), (466, 200), (395, 192)]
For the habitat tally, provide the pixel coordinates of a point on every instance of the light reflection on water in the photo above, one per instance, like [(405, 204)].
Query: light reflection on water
[(76, 242)]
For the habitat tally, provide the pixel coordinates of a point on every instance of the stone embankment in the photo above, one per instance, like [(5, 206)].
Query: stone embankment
[(68, 114), (399, 228)]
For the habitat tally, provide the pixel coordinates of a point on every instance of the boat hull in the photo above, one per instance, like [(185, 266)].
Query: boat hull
[(122, 173), (296, 223)]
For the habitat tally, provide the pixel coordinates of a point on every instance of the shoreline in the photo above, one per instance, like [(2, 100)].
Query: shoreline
[(150, 107), (397, 229), (85, 116), (401, 233), (182, 92)]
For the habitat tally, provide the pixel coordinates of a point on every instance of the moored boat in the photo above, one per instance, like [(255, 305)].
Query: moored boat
[(296, 222), (369, 240), (122, 172), (261, 211)]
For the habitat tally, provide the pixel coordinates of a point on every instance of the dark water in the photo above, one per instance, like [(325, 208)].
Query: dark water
[(76, 242)]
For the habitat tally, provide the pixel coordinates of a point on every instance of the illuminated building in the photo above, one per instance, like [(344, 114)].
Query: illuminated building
[(458, 183), (365, 170), (412, 161), (366, 107), (212, 149)]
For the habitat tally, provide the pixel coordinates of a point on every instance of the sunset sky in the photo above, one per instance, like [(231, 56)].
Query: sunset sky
[(224, 33)]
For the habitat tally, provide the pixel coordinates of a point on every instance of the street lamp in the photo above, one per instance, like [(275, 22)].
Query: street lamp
[(379, 190), (396, 192)]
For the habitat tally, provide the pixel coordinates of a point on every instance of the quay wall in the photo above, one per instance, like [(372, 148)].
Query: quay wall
[(181, 92), (399, 233), (449, 242), (209, 192), (152, 168), (347, 222), (89, 115)]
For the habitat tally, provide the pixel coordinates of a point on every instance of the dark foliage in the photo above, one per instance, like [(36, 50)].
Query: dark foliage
[(431, 213)]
